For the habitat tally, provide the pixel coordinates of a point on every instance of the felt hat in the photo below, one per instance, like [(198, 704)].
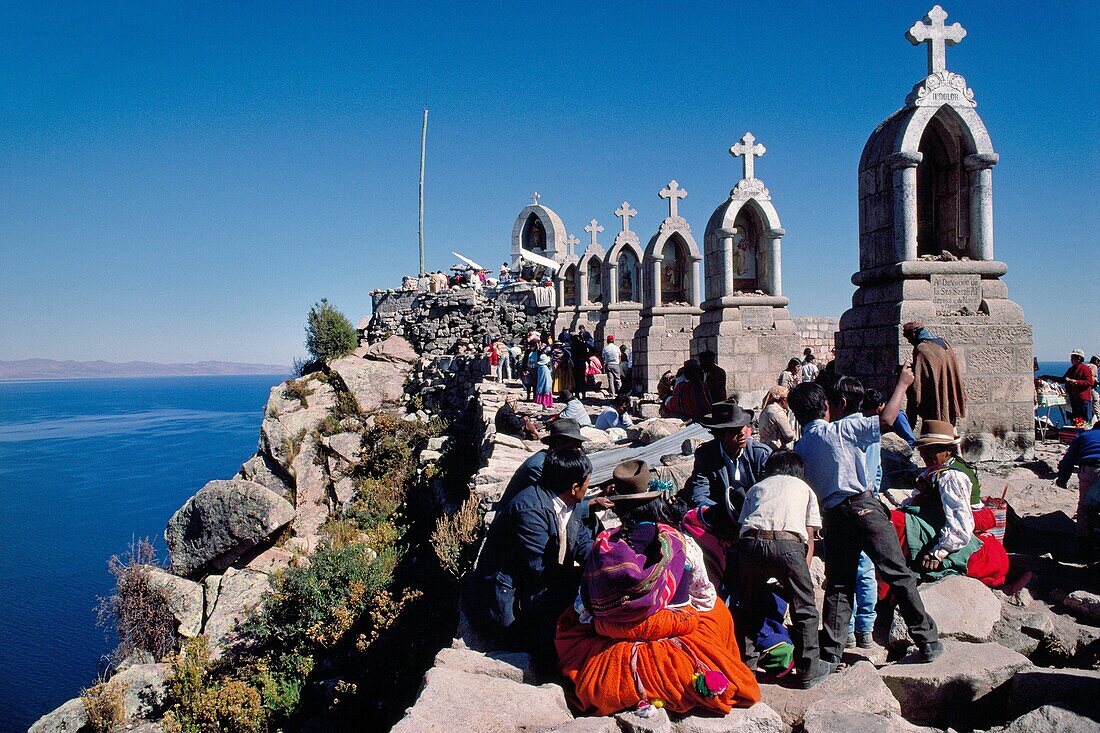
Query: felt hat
[(1077, 352), (544, 359), (632, 574), (727, 414), (937, 432), (630, 482), (564, 428)]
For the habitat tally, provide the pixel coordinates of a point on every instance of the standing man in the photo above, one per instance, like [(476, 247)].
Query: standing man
[(1079, 383), (937, 392), (853, 519), (580, 351), (610, 358), (810, 370), (1094, 367), (714, 376), (1084, 451)]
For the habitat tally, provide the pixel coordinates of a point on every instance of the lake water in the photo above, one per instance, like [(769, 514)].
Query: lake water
[(85, 467)]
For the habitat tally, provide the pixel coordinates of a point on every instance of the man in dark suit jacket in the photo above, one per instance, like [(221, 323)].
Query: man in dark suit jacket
[(525, 576), (727, 466)]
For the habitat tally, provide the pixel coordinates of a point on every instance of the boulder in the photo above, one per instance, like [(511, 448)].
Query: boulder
[(145, 688), (1083, 604), (371, 383), (652, 430), (859, 687), (239, 592), (68, 718), (184, 598), (267, 472), (594, 435), (510, 441), (395, 350), (966, 682), (964, 608), (825, 718), (346, 446), (758, 719), (271, 560), (656, 722), (287, 421), (221, 522), (1052, 719), (452, 700), (1074, 689), (311, 499), (515, 666)]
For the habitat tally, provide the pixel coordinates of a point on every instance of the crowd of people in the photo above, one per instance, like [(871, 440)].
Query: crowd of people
[(681, 603)]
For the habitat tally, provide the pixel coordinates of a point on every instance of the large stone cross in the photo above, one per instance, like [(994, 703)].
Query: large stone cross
[(535, 198), (937, 35), (624, 212), (673, 193), (594, 228), (749, 149), (572, 243)]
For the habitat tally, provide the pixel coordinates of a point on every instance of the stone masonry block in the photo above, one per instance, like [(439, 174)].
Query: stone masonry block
[(994, 289), (977, 388), (991, 360), (1016, 388)]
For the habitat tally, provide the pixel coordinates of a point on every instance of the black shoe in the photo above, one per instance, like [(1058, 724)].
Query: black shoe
[(864, 640), (817, 672), (851, 642), (928, 652)]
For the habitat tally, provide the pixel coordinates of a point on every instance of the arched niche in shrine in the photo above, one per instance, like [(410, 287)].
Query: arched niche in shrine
[(628, 274), (540, 230), (569, 285), (590, 285), (742, 247), (925, 182), (672, 264)]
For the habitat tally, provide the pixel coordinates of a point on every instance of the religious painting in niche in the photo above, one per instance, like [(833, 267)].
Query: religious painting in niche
[(629, 280), (943, 196), (534, 234), (745, 245), (673, 274), (569, 285), (595, 281)]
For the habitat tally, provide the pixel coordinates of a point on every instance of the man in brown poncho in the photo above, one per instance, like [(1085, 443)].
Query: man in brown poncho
[(937, 393)]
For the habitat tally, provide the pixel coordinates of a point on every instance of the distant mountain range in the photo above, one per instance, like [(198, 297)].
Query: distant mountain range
[(53, 369)]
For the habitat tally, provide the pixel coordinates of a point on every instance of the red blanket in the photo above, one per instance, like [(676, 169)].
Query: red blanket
[(616, 666), (988, 564)]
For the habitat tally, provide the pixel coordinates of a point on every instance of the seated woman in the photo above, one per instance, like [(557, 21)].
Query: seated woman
[(942, 525), (647, 630)]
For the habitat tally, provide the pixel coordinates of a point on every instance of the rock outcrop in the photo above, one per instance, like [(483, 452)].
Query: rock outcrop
[(220, 523), (963, 607), (858, 688)]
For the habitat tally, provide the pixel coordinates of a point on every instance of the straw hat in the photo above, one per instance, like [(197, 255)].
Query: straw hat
[(1077, 352), (937, 432)]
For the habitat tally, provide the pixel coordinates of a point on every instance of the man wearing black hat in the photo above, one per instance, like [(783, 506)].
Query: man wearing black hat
[(727, 466)]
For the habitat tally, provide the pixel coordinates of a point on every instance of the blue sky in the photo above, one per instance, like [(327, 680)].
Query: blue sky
[(180, 181)]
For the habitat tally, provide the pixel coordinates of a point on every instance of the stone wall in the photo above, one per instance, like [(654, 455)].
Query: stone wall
[(818, 333), (455, 320)]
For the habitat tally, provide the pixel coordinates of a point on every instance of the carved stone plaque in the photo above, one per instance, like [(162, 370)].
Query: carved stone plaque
[(757, 316), (954, 294)]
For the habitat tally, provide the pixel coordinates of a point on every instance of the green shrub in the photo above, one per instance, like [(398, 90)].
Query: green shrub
[(375, 501), (200, 703), (280, 693), (329, 334), (311, 608), (297, 389), (139, 615), (345, 406)]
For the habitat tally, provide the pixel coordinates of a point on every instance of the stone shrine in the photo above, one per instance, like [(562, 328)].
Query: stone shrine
[(926, 254), (672, 292), (565, 286), (745, 319), (622, 283), (539, 230), (590, 283)]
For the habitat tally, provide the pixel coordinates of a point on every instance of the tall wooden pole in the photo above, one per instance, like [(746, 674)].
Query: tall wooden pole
[(423, 147)]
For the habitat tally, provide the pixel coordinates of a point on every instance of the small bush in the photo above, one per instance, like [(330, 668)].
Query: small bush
[(138, 614), (329, 334), (311, 608), (280, 693), (292, 445), (341, 532), (454, 539), (375, 500), (345, 406), (201, 704), (105, 706), (297, 389), (329, 425)]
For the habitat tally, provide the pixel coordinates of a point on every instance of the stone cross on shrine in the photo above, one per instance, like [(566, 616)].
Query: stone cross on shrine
[(937, 35), (624, 212), (673, 193), (535, 198), (749, 149), (594, 229), (572, 243)]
